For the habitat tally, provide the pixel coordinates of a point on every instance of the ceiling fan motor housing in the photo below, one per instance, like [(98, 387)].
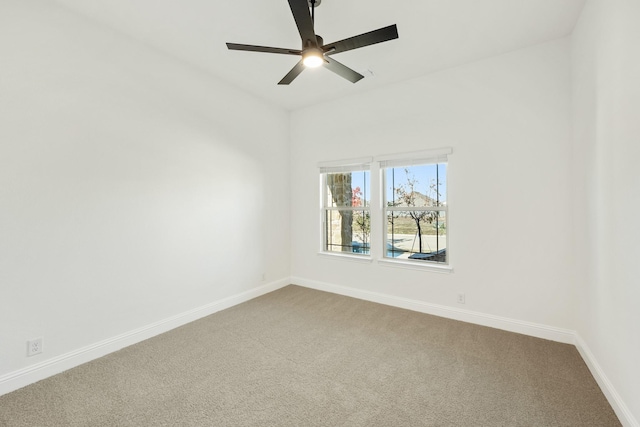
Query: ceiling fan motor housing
[(308, 46)]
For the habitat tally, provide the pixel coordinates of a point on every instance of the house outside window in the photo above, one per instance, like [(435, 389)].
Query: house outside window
[(346, 204)]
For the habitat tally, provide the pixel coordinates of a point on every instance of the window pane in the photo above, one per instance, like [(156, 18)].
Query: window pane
[(420, 235), (348, 189), (422, 185), (347, 231)]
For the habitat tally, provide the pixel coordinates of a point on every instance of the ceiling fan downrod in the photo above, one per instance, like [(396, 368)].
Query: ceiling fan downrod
[(313, 10)]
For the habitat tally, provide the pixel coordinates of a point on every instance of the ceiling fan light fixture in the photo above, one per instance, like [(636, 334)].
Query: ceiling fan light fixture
[(312, 58)]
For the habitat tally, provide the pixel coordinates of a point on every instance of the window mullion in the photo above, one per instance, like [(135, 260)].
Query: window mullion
[(416, 208)]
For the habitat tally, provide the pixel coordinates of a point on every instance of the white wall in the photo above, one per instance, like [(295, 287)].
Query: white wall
[(508, 121), (133, 188), (120, 171), (606, 117)]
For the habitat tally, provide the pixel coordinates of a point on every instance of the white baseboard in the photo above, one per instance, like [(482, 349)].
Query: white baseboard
[(39, 371), (512, 325), (620, 408), (31, 374)]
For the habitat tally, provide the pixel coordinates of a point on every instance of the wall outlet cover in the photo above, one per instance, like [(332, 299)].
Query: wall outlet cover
[(34, 346)]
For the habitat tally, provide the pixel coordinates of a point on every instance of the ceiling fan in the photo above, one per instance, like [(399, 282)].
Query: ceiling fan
[(314, 52)]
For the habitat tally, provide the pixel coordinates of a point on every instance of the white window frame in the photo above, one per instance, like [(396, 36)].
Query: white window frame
[(426, 157), (349, 165)]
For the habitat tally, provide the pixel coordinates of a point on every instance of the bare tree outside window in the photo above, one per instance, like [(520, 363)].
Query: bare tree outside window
[(362, 218), (407, 195), (416, 207)]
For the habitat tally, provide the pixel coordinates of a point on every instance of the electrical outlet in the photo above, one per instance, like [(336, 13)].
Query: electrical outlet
[(461, 298), (264, 276), (34, 346)]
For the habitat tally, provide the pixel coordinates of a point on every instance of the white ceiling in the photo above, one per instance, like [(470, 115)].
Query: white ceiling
[(433, 35)]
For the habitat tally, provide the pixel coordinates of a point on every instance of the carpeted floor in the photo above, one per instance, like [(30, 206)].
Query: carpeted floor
[(300, 357)]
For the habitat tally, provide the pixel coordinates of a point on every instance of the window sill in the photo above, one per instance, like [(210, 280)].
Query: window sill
[(416, 265), (347, 256)]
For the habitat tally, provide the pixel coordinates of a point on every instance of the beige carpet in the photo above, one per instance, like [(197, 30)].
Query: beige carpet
[(299, 357)]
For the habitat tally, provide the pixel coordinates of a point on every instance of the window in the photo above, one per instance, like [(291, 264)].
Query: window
[(415, 204), (346, 203), (409, 220)]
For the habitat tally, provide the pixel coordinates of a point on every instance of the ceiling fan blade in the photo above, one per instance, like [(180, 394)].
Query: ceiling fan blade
[(372, 37), (266, 49), (342, 70), (295, 72), (302, 16)]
